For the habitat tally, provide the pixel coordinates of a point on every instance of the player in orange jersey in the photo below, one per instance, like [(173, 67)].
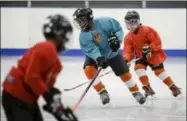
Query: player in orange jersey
[(144, 43), (35, 76)]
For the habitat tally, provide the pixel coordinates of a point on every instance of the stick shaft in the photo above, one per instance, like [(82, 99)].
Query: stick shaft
[(78, 103), (86, 82), (95, 76)]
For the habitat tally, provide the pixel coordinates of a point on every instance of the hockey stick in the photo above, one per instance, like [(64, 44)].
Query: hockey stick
[(86, 82), (60, 113), (90, 84)]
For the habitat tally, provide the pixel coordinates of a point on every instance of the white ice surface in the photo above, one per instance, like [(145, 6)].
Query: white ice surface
[(123, 106)]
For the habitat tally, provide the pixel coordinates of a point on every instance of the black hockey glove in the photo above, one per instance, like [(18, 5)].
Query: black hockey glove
[(53, 96), (102, 62), (114, 42), (61, 114), (146, 52), (55, 106)]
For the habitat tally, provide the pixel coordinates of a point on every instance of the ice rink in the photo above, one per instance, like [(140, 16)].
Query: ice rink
[(123, 106)]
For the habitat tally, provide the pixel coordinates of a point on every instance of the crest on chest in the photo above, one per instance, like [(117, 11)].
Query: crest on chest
[(97, 37)]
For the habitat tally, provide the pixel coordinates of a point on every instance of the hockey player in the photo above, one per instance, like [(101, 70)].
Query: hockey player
[(98, 37), (35, 75), (144, 43)]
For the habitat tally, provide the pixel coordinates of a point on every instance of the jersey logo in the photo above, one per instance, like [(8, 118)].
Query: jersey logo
[(10, 79), (97, 37)]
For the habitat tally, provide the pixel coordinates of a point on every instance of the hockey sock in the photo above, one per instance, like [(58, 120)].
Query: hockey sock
[(140, 71), (161, 74), (130, 83), (90, 71)]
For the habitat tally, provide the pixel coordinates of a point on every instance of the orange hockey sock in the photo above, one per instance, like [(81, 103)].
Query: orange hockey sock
[(90, 71), (144, 80), (140, 71), (168, 81), (131, 84), (160, 73)]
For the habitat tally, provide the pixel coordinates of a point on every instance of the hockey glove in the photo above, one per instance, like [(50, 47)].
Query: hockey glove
[(146, 52), (102, 62), (114, 42), (55, 107), (61, 114)]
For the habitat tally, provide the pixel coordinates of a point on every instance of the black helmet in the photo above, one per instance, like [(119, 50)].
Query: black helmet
[(132, 15), (57, 27), (132, 20), (82, 16)]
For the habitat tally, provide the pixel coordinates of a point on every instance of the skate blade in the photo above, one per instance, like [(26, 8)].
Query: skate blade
[(108, 105), (150, 102), (151, 97), (181, 97), (143, 107)]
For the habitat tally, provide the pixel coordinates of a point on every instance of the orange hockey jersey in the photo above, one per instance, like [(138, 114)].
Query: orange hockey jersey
[(35, 73), (133, 43)]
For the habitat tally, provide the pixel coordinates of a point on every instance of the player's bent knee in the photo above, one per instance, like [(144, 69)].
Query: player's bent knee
[(140, 72), (126, 76), (159, 71), (139, 66), (90, 71)]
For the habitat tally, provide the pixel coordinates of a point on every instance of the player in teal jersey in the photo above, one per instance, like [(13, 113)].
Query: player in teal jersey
[(98, 37)]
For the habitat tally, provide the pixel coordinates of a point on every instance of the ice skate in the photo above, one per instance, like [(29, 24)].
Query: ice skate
[(104, 97), (175, 90), (148, 91), (139, 97)]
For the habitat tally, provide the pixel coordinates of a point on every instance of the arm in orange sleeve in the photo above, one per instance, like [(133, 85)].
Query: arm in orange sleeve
[(155, 40), (55, 72), (33, 77), (128, 51)]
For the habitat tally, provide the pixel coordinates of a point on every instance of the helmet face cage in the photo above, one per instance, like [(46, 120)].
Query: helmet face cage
[(81, 22), (82, 17), (132, 24), (132, 20)]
